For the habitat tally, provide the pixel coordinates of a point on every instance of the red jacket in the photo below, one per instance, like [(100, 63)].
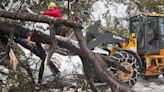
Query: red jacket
[(54, 13)]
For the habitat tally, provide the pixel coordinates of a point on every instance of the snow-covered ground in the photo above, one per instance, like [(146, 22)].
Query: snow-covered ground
[(151, 85), (66, 64)]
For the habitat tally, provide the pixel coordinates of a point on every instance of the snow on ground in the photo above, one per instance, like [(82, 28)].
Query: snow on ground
[(66, 64), (151, 85), (5, 70)]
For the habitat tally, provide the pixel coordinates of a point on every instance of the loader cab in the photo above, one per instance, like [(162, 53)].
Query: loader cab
[(149, 32)]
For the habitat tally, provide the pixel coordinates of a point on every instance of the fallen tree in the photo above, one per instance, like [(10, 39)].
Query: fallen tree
[(81, 49)]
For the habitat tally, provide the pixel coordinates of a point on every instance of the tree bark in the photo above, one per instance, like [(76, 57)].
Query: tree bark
[(37, 18), (87, 71)]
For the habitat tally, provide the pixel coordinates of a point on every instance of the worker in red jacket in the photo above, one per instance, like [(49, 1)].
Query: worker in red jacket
[(54, 11)]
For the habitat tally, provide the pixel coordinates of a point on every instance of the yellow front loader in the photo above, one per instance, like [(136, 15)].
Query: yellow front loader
[(142, 53)]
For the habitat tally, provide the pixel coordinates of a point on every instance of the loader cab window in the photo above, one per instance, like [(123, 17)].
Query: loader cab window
[(149, 32), (161, 28), (137, 27), (135, 24), (152, 30), (152, 35)]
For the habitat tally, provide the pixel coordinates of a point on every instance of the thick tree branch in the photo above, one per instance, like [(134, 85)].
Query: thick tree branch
[(110, 62), (100, 65), (25, 16), (36, 18), (88, 74), (53, 45)]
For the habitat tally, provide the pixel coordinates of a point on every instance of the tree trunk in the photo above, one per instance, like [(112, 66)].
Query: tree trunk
[(37, 18), (100, 65)]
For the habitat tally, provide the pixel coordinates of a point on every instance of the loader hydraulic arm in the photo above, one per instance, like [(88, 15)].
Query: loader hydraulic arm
[(106, 38), (96, 38)]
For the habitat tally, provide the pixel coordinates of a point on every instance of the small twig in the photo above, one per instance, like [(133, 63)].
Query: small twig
[(53, 46), (4, 58), (71, 35), (21, 6), (2, 6), (27, 68)]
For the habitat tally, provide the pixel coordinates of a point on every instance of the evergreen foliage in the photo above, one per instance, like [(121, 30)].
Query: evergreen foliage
[(150, 5)]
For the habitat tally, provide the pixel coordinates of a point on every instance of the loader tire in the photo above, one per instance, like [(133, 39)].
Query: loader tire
[(129, 61)]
